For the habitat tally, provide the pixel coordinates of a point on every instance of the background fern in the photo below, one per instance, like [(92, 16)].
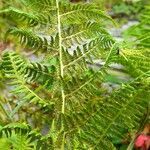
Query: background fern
[(141, 30)]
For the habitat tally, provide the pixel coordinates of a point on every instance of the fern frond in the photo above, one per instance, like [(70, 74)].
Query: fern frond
[(84, 115), (84, 11), (40, 73), (145, 15), (87, 51), (38, 5), (20, 135), (112, 112), (85, 88), (141, 31), (136, 62), (20, 15), (16, 126), (14, 68), (32, 40), (80, 33)]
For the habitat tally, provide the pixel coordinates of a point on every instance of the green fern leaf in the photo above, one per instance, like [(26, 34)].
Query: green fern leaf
[(14, 68)]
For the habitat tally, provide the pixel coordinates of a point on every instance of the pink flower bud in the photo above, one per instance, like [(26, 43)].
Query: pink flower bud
[(142, 142)]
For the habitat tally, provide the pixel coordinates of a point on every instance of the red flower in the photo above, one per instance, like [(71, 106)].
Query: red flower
[(142, 142)]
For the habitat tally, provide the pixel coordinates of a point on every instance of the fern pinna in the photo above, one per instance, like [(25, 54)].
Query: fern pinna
[(140, 31), (62, 89)]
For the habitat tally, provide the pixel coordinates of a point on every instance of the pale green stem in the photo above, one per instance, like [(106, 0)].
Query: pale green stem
[(60, 55), (61, 66)]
